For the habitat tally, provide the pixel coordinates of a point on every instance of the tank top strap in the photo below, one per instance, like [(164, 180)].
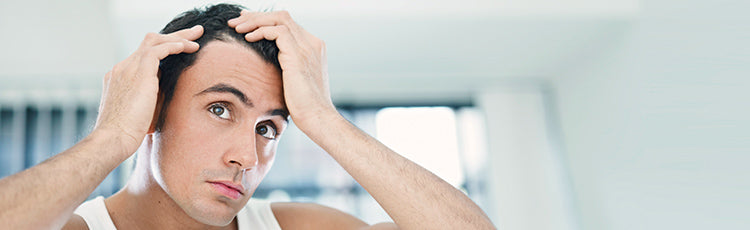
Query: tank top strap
[(257, 214), (95, 213)]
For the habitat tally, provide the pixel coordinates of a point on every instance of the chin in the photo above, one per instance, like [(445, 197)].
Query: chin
[(215, 213)]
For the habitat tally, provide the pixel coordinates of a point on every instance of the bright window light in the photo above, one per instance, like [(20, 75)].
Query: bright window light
[(425, 135)]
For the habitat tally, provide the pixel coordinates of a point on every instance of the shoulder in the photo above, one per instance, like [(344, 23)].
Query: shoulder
[(75, 222), (291, 215)]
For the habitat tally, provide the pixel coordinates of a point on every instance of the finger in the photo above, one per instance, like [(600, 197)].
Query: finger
[(153, 39), (149, 65), (281, 34), (256, 20), (189, 46), (192, 33), (159, 52), (165, 49), (244, 14)]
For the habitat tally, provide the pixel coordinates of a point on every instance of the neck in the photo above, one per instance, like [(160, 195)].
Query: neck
[(143, 203)]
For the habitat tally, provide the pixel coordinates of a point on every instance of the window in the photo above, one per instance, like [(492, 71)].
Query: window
[(447, 141)]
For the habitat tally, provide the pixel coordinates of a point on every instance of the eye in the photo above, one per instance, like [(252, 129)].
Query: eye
[(219, 110), (267, 130)]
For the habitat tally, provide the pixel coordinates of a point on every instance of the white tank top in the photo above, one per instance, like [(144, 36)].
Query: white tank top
[(256, 214)]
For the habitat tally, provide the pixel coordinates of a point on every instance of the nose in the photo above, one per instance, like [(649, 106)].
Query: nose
[(243, 153)]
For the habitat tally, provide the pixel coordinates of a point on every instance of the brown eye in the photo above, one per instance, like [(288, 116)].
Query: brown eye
[(219, 110), (266, 130)]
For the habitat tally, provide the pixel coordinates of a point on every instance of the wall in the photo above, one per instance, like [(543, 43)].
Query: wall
[(528, 178), (655, 124), (55, 38)]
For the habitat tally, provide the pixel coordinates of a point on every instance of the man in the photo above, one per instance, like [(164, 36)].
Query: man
[(204, 104)]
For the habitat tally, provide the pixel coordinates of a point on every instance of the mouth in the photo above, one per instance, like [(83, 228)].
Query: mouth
[(228, 189)]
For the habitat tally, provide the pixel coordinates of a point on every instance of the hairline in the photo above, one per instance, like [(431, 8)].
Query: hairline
[(223, 37)]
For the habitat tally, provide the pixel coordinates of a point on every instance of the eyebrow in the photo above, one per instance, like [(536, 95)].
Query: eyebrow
[(284, 113), (225, 88)]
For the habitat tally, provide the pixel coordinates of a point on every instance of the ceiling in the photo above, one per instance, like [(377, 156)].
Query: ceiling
[(424, 9), (427, 51), (379, 51)]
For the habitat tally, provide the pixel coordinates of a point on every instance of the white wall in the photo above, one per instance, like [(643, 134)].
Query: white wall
[(528, 182), (656, 127), (51, 47), (60, 38), (383, 52)]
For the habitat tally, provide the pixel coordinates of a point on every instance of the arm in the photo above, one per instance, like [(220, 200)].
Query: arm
[(414, 197), (45, 196)]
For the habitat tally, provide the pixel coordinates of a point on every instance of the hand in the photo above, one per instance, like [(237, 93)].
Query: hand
[(302, 57), (130, 89)]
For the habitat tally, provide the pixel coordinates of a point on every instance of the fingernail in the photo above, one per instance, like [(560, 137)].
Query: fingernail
[(196, 27)]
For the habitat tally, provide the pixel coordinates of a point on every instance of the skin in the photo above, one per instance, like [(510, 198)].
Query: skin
[(199, 145), (224, 145), (42, 197)]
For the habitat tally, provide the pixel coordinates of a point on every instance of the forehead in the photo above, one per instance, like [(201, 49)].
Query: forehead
[(233, 64)]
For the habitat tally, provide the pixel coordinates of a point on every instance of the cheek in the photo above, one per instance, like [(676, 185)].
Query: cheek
[(190, 138), (266, 151), (189, 146), (251, 179), (266, 155)]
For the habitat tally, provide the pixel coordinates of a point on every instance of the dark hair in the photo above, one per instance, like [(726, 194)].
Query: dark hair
[(214, 21)]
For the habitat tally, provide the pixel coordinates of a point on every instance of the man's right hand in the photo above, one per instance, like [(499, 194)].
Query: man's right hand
[(125, 113), (131, 88)]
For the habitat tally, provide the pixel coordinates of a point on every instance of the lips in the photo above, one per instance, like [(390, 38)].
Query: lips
[(229, 189)]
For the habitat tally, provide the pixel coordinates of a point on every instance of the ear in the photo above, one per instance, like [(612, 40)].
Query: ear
[(157, 112), (157, 109)]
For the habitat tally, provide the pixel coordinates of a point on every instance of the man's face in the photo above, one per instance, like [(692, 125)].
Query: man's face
[(226, 116)]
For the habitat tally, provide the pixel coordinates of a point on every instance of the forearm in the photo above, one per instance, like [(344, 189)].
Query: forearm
[(45, 196), (414, 197)]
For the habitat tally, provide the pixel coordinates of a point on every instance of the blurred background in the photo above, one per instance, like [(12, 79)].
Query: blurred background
[(569, 114)]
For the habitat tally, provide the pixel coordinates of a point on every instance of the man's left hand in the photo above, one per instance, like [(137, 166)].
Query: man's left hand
[(302, 57)]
